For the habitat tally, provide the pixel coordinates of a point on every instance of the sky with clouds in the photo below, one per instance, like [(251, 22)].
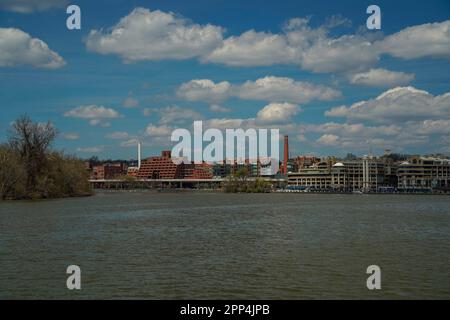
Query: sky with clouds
[(139, 69)]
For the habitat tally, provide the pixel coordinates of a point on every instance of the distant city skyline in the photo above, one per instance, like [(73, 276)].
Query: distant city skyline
[(137, 70)]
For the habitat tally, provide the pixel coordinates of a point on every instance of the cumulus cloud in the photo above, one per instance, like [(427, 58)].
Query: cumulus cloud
[(381, 78), (219, 109), (95, 114), (405, 117), (92, 112), (90, 149), (129, 143), (29, 6), (426, 40), (155, 35), (272, 89), (353, 129), (253, 49), (204, 90), (398, 104), (229, 123), (175, 115), (278, 112), (310, 48), (434, 126), (314, 49), (118, 135), (347, 53), (158, 131), (19, 48), (328, 140), (285, 89)]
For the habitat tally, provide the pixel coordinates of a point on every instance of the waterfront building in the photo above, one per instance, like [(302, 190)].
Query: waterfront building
[(132, 172), (365, 174), (223, 169), (302, 162), (197, 171), (161, 167), (313, 177), (424, 173), (107, 171)]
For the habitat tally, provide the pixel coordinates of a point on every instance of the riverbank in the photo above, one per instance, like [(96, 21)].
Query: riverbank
[(190, 190)]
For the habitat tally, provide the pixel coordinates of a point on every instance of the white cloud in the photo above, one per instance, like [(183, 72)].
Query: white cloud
[(129, 143), (92, 112), (100, 123), (347, 53), (219, 109), (271, 89), (118, 135), (204, 90), (313, 49), (29, 6), (130, 102), (155, 35), (90, 149), (97, 115), (434, 127), (158, 131), (299, 44), (426, 40), (19, 48), (276, 89), (174, 115), (353, 129), (253, 49), (278, 112), (328, 140), (399, 104), (229, 123), (381, 78)]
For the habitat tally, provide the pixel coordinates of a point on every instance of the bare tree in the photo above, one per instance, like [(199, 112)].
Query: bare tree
[(32, 141), (11, 173)]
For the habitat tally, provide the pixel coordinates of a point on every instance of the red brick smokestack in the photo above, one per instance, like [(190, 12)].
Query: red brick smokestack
[(286, 154)]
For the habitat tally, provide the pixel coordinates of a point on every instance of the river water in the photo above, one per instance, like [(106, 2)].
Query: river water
[(226, 246)]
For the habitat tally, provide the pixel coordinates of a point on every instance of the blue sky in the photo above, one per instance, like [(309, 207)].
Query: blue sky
[(311, 69)]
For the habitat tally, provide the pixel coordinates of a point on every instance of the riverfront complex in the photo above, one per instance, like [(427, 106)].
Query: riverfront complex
[(387, 173)]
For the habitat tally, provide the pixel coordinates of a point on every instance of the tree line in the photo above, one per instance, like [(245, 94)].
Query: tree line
[(31, 169), (239, 182)]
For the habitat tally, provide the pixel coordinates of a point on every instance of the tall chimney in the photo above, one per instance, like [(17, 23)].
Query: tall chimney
[(139, 154), (286, 154)]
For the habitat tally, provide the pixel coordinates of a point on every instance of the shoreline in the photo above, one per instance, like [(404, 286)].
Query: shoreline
[(173, 191)]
